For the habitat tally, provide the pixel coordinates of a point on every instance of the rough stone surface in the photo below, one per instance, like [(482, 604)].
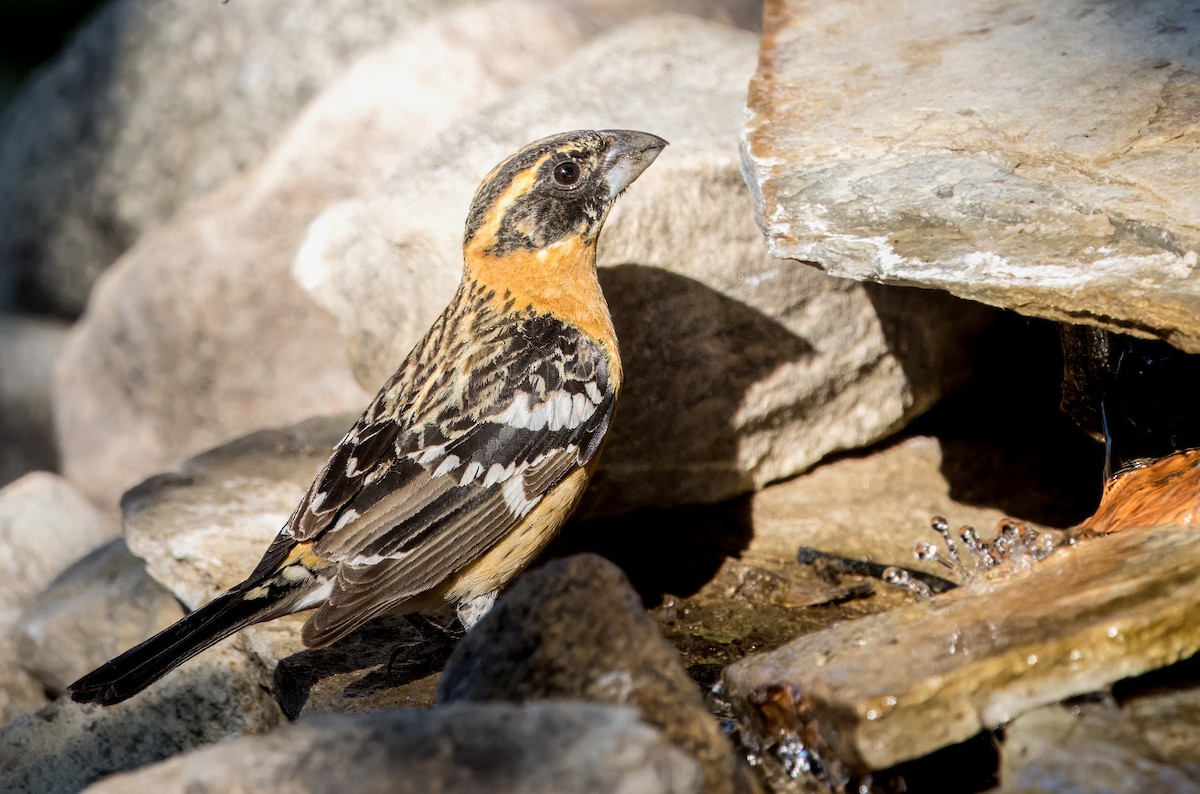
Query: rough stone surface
[(198, 334), (1035, 156), (808, 364), (542, 748), (28, 348), (151, 104), (65, 746), (1149, 744), (575, 629), (894, 686), (100, 606)]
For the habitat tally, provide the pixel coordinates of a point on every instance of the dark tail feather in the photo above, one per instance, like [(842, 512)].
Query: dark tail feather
[(142, 665)]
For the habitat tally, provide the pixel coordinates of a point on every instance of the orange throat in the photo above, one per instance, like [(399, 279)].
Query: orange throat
[(559, 280)]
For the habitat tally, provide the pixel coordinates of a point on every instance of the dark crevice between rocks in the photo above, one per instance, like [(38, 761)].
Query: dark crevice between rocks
[(965, 768), (1183, 675), (1005, 442)]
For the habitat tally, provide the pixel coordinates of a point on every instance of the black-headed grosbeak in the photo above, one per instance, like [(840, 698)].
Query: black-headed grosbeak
[(475, 452)]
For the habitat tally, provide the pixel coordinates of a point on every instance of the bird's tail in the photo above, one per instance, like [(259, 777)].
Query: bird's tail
[(142, 665)]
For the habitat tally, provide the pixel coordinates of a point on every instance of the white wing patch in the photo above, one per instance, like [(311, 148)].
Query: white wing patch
[(496, 473), (515, 498), (473, 470), (345, 518), (448, 464), (561, 410), (430, 454)]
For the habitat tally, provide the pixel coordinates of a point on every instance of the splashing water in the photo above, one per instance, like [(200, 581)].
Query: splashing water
[(1016, 547)]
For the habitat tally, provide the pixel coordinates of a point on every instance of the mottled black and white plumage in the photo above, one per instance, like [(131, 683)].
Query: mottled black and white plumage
[(475, 452)]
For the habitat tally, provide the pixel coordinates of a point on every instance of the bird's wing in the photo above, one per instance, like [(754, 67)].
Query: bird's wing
[(401, 507)]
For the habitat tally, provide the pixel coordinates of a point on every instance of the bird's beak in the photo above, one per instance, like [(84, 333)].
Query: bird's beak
[(629, 154)]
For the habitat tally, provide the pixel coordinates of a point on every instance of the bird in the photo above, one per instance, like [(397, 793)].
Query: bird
[(476, 450)]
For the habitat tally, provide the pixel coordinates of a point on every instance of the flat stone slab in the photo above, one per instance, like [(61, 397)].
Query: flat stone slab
[(901, 684), (1035, 156)]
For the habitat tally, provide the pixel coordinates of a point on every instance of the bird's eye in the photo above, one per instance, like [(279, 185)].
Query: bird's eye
[(567, 172)]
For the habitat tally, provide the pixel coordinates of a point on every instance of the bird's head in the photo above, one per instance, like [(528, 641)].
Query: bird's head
[(556, 191)]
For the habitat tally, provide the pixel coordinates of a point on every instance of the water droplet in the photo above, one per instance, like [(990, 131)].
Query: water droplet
[(899, 577), (925, 551)]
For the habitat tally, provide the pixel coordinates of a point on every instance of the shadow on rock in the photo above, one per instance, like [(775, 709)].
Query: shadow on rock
[(690, 354), (664, 552), (367, 670)]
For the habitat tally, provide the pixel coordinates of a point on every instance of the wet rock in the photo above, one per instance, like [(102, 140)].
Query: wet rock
[(175, 313), (65, 746), (1147, 744), (1061, 191), (28, 348), (102, 605), (733, 586), (894, 686), (1166, 491), (151, 104), (574, 629), (808, 364), (541, 748)]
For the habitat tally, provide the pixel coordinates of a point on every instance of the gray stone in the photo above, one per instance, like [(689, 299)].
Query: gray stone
[(29, 347), (807, 364), (894, 686), (1151, 743), (541, 748), (202, 316), (65, 746), (574, 629), (100, 606), (1034, 156), (151, 104)]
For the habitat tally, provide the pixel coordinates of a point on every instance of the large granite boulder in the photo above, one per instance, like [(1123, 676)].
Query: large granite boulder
[(154, 103)]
